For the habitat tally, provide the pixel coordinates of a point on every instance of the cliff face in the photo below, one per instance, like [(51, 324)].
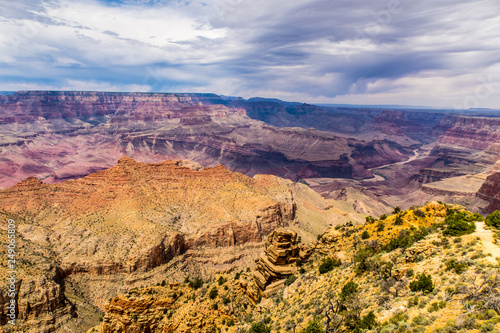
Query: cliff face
[(129, 219), (65, 135), (472, 132), (407, 127), (490, 191)]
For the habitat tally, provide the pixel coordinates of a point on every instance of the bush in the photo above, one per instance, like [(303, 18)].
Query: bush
[(361, 258), (365, 235), (383, 217), (493, 220), (412, 301), (420, 320), (459, 223), (369, 219), (213, 293), (419, 213), (398, 220), (259, 328), (456, 266), (314, 326), (221, 281), (396, 210), (406, 238), (487, 327), (349, 289), (196, 284), (422, 283), (435, 306), (289, 280), (328, 264), (380, 227), (368, 322)]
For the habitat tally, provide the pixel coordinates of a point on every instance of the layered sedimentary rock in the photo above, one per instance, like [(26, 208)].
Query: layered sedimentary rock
[(490, 191), (472, 132), (65, 135), (129, 219), (275, 265)]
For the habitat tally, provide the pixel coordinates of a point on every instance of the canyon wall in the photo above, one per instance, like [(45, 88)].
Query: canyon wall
[(65, 135)]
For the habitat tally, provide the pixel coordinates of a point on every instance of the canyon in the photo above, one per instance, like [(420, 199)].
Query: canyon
[(114, 192), (65, 135), (81, 242)]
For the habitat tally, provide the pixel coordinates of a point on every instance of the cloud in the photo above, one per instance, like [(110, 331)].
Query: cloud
[(347, 51)]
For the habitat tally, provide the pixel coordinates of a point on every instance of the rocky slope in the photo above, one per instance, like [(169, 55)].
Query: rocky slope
[(84, 241), (364, 278), (65, 135)]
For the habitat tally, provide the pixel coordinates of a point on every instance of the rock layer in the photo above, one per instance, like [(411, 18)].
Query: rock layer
[(130, 218), (65, 135), (490, 191), (276, 264)]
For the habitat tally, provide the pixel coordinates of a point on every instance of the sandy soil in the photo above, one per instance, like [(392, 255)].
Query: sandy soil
[(486, 237)]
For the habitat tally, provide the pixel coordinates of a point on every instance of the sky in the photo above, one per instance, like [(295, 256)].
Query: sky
[(440, 53)]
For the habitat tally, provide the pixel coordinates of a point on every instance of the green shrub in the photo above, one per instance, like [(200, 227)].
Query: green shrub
[(362, 257), (368, 322), (349, 289), (369, 219), (383, 216), (396, 210), (487, 327), (398, 220), (314, 326), (436, 306), (422, 283), (221, 281), (213, 293), (493, 220), (365, 235), (259, 328), (328, 264), (477, 217), (196, 284), (406, 238), (420, 320), (398, 317), (289, 280), (459, 223), (380, 227), (456, 266), (413, 301), (419, 213), (490, 314)]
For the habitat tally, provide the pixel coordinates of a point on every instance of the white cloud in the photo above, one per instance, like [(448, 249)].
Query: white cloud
[(427, 52)]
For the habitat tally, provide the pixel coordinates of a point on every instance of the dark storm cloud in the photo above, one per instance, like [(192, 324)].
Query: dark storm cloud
[(332, 50)]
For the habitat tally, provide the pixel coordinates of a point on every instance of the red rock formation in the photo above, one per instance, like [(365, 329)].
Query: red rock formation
[(212, 206), (66, 135), (490, 191), (472, 132), (129, 219)]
